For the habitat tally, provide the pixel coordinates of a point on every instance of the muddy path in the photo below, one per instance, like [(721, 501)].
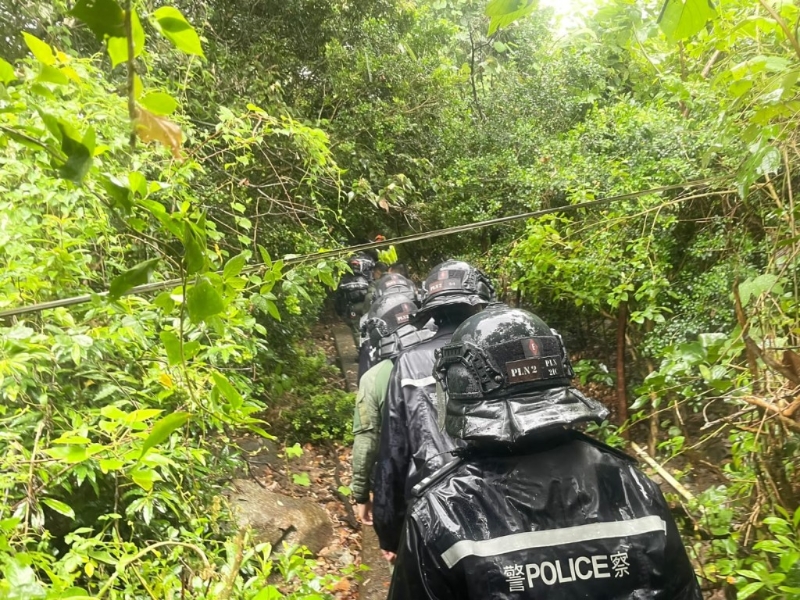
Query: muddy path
[(353, 549)]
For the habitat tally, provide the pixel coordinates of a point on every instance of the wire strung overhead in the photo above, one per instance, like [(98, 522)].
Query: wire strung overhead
[(170, 283)]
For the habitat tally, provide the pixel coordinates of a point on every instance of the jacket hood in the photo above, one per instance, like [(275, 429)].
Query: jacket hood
[(513, 418)]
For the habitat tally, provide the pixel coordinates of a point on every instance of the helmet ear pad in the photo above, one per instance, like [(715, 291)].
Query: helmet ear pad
[(462, 381), (485, 291), (376, 333)]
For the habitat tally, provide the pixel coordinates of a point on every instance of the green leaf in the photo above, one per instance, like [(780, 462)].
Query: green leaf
[(265, 256), (749, 590), (50, 74), (145, 478), (174, 26), (110, 464), (260, 431), (681, 19), (226, 389), (294, 451), (118, 46), (504, 12), (67, 438), (102, 17), (165, 302), (345, 491), (121, 195), (59, 507), (7, 74), (159, 103), (76, 152), (233, 267), (79, 156), (194, 244), (138, 183), (42, 51), (301, 479), (138, 275), (162, 430), (269, 593), (203, 300), (272, 309), (112, 412), (68, 454), (142, 414), (172, 344), (753, 288)]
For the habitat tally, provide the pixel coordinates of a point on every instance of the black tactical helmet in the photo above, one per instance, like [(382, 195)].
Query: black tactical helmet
[(454, 282), (392, 283), (387, 326), (506, 374), (361, 264)]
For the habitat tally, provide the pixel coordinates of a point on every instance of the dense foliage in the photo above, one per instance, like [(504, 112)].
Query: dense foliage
[(193, 144)]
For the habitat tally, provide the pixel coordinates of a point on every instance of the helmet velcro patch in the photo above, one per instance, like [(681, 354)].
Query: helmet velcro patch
[(444, 285), (534, 369)]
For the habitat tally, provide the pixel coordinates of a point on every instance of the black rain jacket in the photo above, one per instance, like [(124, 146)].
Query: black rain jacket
[(564, 519), (413, 443)]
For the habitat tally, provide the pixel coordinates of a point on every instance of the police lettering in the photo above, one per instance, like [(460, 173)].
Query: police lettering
[(560, 571), (516, 581)]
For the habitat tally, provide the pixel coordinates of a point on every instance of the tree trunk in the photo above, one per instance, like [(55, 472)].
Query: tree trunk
[(652, 440), (622, 392)]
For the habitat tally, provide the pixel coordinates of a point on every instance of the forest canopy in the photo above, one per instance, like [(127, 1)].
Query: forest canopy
[(202, 147)]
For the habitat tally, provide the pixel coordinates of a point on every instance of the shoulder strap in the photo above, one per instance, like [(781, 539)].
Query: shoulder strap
[(579, 435), (419, 489)]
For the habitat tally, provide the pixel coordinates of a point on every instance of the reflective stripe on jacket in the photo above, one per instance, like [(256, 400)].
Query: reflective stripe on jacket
[(413, 445)]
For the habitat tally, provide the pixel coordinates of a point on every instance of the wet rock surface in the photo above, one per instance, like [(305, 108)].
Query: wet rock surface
[(277, 518), (350, 546)]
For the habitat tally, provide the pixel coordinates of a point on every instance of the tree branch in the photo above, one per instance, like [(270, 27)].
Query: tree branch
[(789, 35), (472, 76), (131, 72)]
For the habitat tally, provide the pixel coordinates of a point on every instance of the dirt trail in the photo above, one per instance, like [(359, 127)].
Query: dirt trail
[(376, 581)]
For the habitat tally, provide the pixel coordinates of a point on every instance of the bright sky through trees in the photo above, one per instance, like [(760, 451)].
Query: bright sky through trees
[(567, 10)]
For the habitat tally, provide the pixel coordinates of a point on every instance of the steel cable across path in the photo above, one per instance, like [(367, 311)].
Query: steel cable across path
[(162, 285)]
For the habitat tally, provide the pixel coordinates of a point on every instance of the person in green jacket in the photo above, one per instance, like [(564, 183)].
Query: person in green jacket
[(390, 333)]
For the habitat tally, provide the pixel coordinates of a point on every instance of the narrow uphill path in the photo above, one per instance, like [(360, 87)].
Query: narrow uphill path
[(376, 580), (299, 500)]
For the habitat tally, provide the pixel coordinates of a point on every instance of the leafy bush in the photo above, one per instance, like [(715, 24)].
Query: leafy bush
[(307, 402), (111, 410), (589, 370)]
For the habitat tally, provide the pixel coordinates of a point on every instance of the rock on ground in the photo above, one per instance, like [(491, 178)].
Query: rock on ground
[(276, 518)]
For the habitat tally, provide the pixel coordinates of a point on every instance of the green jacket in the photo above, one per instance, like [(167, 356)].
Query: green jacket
[(367, 427)]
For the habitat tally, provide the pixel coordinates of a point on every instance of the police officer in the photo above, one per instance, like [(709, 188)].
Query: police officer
[(399, 268), (412, 442), (385, 285), (352, 291), (532, 508), (391, 283), (389, 332), (379, 269)]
